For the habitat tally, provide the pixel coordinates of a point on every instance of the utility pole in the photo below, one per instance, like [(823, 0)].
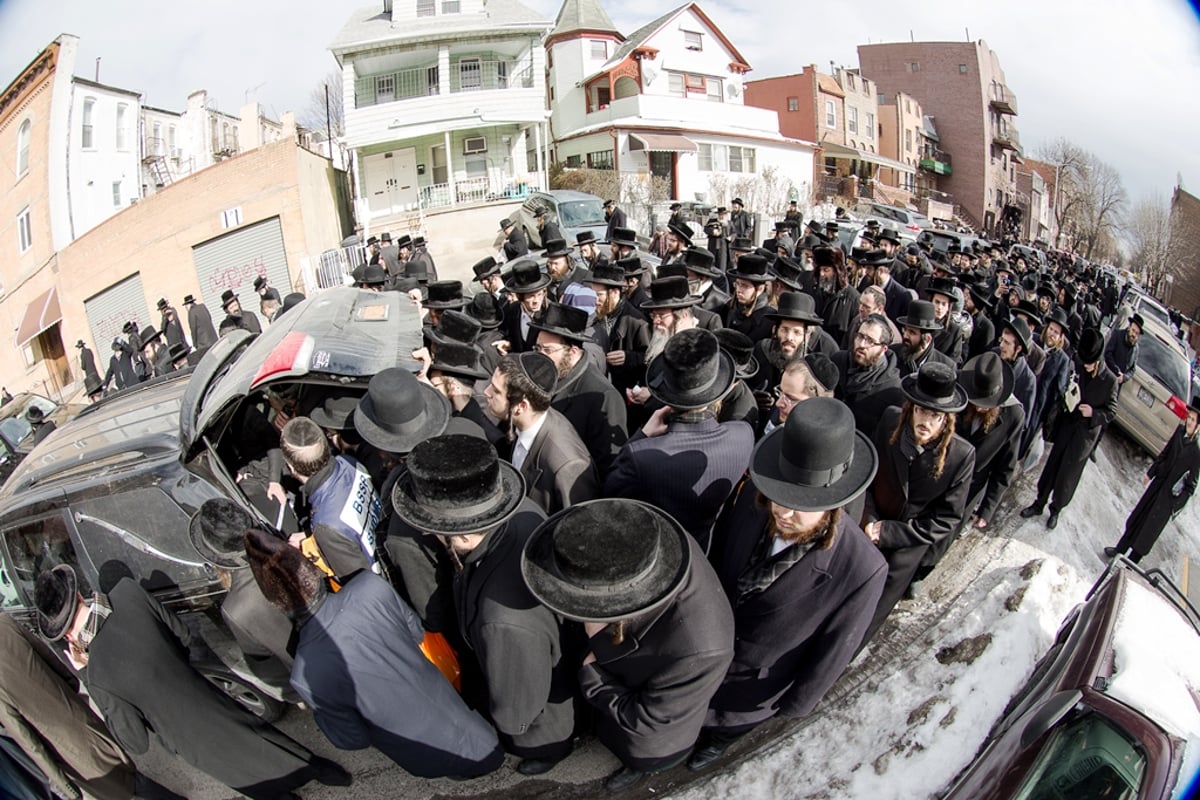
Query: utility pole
[(328, 124)]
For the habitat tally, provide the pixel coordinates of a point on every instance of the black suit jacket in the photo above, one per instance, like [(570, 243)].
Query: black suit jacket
[(558, 470), (511, 326), (596, 410), (898, 300)]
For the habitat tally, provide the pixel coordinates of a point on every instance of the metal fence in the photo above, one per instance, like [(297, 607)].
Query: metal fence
[(332, 267)]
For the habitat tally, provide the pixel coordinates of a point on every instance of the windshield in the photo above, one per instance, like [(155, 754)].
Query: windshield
[(581, 212), (1165, 366), (1086, 758), (14, 427), (1148, 309)]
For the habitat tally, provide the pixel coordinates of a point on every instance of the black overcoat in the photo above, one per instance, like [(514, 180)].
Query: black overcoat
[(595, 409), (1075, 436), (201, 324), (1178, 461), (558, 470)]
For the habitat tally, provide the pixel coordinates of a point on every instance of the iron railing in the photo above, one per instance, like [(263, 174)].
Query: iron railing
[(466, 75)]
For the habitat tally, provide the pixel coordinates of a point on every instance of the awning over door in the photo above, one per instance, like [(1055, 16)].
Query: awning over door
[(662, 143), (40, 315), (839, 151)]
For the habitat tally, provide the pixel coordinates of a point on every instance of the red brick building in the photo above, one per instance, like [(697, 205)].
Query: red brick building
[(962, 86)]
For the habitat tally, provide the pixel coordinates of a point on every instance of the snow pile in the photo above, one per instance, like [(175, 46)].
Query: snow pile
[(1156, 668), (911, 729)]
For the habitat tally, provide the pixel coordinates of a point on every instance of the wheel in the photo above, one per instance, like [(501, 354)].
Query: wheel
[(244, 693)]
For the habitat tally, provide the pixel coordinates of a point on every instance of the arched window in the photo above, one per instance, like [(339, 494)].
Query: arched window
[(85, 138), (23, 134)]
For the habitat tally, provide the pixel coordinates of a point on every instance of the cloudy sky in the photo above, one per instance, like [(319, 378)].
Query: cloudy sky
[(1117, 78)]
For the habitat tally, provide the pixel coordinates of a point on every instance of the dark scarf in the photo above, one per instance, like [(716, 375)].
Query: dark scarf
[(764, 569), (860, 381)]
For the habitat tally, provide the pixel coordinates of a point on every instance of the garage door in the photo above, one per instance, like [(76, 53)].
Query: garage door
[(234, 260), (108, 311)]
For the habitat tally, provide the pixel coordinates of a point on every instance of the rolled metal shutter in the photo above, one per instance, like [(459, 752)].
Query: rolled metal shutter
[(108, 311), (234, 260)]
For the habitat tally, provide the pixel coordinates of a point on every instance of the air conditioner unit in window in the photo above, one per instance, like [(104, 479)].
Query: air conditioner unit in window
[(474, 144)]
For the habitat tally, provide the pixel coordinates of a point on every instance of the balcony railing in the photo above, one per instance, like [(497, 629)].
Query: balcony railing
[(1004, 100), (936, 161), (1007, 139), (472, 190), (465, 76)]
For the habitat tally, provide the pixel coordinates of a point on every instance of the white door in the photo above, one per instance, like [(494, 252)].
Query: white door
[(377, 180), (404, 173)]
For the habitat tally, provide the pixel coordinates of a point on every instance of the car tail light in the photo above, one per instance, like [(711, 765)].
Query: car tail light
[(914, 228), (1178, 407), (292, 353)]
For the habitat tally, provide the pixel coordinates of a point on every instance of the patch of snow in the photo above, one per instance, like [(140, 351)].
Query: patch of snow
[(1156, 667)]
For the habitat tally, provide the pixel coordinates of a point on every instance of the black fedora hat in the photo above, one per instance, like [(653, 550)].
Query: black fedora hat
[(404, 241), (568, 322), (741, 244), (631, 266), (217, 530), (506, 223), (874, 258), (673, 270), (188, 299), (455, 326), (980, 293), (526, 277), (920, 316), (1091, 346), (1020, 329), (374, 275), (485, 267), (608, 274), (1058, 316), (161, 305), (859, 254), (227, 297), (626, 237), (35, 414), (445, 295), (889, 235), (943, 286), (80, 343), (398, 411), (815, 461), (606, 560), (681, 234), (456, 484), (336, 412), (1030, 311), (56, 596), (484, 308), (798, 306), (691, 372), (460, 361), (751, 268), (987, 380), (670, 292), (585, 237), (149, 335), (1047, 290), (741, 349), (934, 387), (372, 240), (177, 351), (557, 248), (386, 236), (700, 261), (787, 272)]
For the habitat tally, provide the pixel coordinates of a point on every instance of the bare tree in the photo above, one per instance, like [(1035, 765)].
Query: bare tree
[(1068, 159), (314, 116), (1102, 201), (1147, 229)]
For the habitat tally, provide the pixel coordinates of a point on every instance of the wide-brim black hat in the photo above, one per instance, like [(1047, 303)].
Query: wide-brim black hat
[(526, 278), (691, 372), (1030, 310), (741, 349), (670, 293), (816, 460), (980, 294), (398, 412), (607, 274), (445, 295), (566, 321), (217, 530), (1091, 346), (797, 306), (987, 380), (56, 595), (456, 484), (681, 234), (920, 316), (460, 361), (557, 248), (455, 327), (485, 267), (1058, 315), (626, 237), (751, 268), (606, 560), (148, 335), (336, 413), (933, 386), (485, 309), (700, 261), (1021, 330)]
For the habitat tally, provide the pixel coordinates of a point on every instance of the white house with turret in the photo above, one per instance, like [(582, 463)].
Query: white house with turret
[(444, 104), (666, 101)]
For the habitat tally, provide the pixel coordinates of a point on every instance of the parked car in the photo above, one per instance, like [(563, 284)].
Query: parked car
[(111, 492), (1148, 307), (1101, 715), (942, 239), (1153, 402), (575, 212), (897, 216), (1033, 257), (15, 443)]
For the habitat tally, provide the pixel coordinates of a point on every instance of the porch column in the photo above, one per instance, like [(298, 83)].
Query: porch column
[(541, 168), (444, 70), (449, 169)]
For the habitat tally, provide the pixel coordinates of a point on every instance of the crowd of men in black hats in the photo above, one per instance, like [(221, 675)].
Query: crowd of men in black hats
[(660, 504)]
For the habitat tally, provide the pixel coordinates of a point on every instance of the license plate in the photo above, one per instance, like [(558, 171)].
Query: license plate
[(1146, 397)]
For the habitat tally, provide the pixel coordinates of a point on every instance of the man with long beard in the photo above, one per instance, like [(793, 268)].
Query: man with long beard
[(748, 310), (868, 380), (801, 577), (669, 310), (919, 495), (915, 347), (620, 328), (568, 281), (797, 332), (837, 300)]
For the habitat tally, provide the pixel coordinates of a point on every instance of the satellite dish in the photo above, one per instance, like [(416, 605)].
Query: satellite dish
[(649, 74), (732, 89)]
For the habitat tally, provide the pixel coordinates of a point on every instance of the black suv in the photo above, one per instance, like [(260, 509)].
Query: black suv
[(111, 492)]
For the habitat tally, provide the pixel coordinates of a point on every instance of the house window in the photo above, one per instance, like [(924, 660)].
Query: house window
[(116, 194), (23, 134), (451, 6), (599, 48), (714, 90), (962, 69), (793, 104), (156, 143), (850, 82), (470, 74), (85, 140), (601, 159), (907, 106), (908, 140), (830, 114), (915, 66), (426, 8), (24, 230), (122, 113), (171, 139), (385, 88), (704, 157), (741, 159), (693, 40), (675, 84), (852, 119), (574, 162), (695, 83), (870, 125)]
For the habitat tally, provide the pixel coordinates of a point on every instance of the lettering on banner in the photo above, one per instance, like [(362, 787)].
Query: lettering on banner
[(238, 276)]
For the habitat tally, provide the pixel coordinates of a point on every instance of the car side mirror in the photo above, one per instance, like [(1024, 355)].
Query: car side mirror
[(1049, 714)]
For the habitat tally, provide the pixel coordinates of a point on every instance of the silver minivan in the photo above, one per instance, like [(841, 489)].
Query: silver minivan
[(1153, 403)]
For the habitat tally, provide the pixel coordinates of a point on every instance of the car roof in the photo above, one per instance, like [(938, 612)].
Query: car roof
[(569, 194)]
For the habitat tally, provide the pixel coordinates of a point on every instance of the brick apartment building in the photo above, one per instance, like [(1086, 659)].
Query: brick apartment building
[(962, 86), (1183, 265)]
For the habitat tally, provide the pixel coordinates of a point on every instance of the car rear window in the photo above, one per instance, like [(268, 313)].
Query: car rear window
[(1148, 309), (1165, 365), (581, 212)]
